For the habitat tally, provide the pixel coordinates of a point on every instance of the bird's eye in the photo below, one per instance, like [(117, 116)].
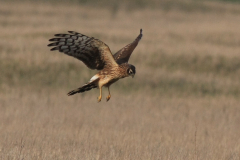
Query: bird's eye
[(130, 71)]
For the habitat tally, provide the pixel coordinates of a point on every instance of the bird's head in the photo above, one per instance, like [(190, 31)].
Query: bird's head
[(131, 70)]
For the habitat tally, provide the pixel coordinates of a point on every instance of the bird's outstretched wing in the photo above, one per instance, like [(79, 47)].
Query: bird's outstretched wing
[(92, 52), (123, 55)]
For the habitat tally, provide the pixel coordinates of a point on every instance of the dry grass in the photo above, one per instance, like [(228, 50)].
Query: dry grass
[(183, 103)]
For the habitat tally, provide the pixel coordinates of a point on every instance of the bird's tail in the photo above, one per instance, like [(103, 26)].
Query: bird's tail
[(84, 88)]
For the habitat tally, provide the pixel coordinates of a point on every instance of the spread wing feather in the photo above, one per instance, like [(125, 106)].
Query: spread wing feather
[(92, 52), (123, 55)]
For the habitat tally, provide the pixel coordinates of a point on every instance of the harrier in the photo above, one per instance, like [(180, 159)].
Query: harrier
[(95, 54)]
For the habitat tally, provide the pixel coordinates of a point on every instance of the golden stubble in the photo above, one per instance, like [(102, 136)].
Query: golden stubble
[(182, 104)]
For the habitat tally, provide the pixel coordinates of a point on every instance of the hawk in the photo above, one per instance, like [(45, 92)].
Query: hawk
[(95, 54)]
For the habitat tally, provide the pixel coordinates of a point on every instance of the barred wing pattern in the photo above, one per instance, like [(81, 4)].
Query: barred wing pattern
[(92, 52), (123, 55)]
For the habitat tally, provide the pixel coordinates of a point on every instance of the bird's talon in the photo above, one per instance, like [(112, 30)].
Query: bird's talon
[(99, 99), (108, 97)]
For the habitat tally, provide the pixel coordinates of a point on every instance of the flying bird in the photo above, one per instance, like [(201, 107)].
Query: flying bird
[(95, 54)]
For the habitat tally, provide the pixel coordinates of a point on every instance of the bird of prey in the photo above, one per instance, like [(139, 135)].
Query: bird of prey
[(95, 54)]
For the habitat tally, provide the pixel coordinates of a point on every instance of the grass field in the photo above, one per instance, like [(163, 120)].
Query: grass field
[(183, 103)]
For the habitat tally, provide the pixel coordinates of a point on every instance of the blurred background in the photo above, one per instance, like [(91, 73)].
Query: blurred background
[(183, 103)]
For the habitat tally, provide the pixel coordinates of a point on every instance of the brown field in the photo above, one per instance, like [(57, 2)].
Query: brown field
[(183, 103)]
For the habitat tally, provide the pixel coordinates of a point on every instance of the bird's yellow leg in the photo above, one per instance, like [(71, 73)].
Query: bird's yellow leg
[(109, 95), (100, 96)]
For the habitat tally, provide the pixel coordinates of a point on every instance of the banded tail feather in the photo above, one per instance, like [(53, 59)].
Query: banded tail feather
[(84, 88)]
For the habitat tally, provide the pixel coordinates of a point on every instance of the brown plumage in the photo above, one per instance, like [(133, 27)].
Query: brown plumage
[(123, 55), (96, 55)]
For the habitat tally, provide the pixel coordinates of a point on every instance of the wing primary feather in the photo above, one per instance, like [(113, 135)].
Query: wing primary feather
[(123, 55), (92, 52), (63, 35), (54, 44), (140, 36), (54, 39), (55, 48), (58, 39), (73, 32), (51, 44)]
